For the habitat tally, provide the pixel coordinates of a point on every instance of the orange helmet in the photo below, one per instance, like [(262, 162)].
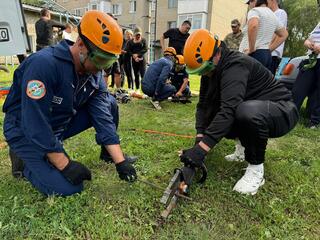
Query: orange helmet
[(201, 46), (180, 59), (102, 31), (170, 51)]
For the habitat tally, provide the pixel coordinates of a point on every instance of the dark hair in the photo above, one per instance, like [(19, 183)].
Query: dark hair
[(44, 12), (260, 2), (186, 22)]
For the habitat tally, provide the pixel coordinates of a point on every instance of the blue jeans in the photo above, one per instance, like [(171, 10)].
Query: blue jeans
[(166, 91), (264, 57), (39, 171)]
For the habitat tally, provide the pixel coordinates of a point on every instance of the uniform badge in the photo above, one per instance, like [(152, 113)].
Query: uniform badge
[(35, 89)]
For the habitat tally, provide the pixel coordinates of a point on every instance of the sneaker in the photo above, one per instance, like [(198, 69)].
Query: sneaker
[(313, 125), (251, 180), (238, 155), (17, 165), (105, 156), (156, 104)]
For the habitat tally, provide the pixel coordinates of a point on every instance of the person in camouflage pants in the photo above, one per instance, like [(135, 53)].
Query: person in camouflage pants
[(233, 40)]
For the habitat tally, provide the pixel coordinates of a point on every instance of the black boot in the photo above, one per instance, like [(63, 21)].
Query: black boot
[(17, 165), (105, 156)]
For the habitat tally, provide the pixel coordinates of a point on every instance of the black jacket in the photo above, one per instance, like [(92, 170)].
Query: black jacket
[(236, 79), (44, 31)]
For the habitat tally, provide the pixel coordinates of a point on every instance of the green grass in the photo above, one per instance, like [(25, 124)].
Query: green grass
[(286, 207)]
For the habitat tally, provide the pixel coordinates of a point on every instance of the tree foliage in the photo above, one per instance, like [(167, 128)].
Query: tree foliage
[(303, 16), (33, 2)]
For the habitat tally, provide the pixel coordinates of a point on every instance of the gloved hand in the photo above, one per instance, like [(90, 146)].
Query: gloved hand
[(197, 140), (76, 172), (193, 157), (126, 171)]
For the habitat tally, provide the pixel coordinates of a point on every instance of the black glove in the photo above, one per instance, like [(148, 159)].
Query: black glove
[(76, 172), (126, 171), (193, 157), (197, 140)]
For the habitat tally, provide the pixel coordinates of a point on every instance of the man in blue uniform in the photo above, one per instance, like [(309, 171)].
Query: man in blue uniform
[(57, 93), (154, 83), (180, 78)]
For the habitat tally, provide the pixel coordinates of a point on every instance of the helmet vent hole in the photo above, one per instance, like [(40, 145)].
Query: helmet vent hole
[(105, 39)]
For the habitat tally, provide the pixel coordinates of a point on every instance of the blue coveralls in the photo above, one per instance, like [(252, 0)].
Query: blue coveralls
[(154, 81), (48, 103)]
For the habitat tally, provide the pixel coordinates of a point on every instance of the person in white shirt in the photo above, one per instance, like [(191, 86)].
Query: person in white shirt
[(261, 25), (283, 18), (67, 33), (307, 83), (257, 42)]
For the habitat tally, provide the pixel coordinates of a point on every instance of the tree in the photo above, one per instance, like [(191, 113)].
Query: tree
[(303, 16), (33, 2)]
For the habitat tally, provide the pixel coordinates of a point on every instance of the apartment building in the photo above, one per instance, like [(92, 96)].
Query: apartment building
[(156, 16)]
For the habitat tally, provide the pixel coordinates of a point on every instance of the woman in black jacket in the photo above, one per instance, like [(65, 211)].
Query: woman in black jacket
[(137, 47)]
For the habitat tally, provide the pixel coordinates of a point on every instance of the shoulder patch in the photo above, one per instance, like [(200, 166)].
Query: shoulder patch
[(35, 89)]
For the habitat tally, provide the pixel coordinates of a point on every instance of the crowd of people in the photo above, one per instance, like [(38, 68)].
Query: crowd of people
[(61, 91)]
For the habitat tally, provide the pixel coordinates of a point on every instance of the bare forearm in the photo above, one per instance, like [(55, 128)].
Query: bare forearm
[(59, 160), (115, 152), (184, 85), (162, 43), (252, 37)]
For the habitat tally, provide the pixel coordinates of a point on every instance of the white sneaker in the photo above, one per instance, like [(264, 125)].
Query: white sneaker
[(251, 180), (238, 155), (156, 104)]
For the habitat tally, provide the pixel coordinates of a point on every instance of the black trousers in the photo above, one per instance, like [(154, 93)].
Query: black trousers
[(256, 121), (274, 64), (127, 66), (307, 84), (139, 69)]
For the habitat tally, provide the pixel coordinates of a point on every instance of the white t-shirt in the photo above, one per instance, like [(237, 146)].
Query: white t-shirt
[(268, 24), (66, 35), (315, 37), (283, 18)]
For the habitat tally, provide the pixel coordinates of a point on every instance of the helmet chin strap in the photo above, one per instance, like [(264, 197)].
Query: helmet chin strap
[(83, 58)]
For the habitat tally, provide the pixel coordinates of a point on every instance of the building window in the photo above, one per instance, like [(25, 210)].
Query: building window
[(172, 24), (133, 6), (77, 11), (153, 5), (132, 26), (172, 3), (195, 19), (94, 7), (116, 9)]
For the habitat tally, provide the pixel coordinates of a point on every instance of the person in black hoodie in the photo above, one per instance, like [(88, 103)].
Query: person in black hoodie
[(44, 29), (239, 98)]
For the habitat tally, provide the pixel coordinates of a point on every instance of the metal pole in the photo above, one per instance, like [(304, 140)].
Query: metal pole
[(155, 30)]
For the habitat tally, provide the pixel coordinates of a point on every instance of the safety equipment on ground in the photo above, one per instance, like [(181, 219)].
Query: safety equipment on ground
[(76, 172), (102, 31), (126, 171), (170, 51), (122, 96), (193, 157), (200, 48)]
